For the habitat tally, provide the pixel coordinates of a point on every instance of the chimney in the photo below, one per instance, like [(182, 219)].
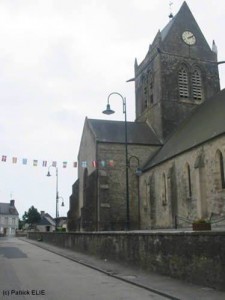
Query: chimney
[(12, 202), (42, 213)]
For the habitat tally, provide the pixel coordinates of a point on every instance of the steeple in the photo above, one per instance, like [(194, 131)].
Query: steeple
[(178, 73), (214, 47)]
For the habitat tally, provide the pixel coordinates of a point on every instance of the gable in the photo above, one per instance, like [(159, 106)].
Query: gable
[(88, 139), (172, 41)]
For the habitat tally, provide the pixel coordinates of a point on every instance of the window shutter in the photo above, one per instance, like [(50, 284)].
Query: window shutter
[(197, 85), (183, 83)]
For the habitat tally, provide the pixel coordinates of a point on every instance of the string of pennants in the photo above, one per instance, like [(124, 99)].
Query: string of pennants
[(101, 163), (64, 164)]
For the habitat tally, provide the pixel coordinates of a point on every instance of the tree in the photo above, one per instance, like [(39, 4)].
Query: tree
[(32, 216), (21, 224)]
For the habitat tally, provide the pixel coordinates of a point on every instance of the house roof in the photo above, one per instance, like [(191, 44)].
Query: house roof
[(46, 219), (113, 132), (7, 209), (206, 123)]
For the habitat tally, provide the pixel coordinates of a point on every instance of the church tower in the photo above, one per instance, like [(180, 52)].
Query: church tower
[(178, 74)]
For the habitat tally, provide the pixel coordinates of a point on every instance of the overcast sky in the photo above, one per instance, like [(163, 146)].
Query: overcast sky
[(59, 60)]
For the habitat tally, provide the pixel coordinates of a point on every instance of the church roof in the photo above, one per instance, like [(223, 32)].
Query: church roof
[(206, 123), (113, 132)]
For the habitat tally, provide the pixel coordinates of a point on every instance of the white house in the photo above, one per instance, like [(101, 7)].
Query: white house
[(46, 223), (9, 218)]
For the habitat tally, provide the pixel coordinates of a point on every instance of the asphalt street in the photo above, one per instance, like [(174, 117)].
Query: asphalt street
[(31, 269), (29, 272)]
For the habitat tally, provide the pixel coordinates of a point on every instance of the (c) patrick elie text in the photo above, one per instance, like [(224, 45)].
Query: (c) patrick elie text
[(23, 292)]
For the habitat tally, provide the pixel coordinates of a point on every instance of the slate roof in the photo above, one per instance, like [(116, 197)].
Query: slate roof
[(7, 209), (113, 132), (206, 123), (46, 219), (167, 28)]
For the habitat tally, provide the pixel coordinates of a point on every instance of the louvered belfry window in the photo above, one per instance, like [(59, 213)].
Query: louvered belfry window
[(197, 85), (183, 83)]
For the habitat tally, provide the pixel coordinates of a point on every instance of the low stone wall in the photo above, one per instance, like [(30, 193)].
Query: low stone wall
[(197, 257)]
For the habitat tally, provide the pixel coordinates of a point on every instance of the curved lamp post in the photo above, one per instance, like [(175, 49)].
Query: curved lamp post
[(57, 193), (109, 111), (138, 173)]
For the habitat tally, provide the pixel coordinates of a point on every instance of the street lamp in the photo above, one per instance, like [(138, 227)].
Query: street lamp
[(138, 173), (57, 193), (109, 111), (62, 201)]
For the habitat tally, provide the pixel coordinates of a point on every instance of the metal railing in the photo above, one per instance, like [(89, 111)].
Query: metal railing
[(185, 220), (190, 221)]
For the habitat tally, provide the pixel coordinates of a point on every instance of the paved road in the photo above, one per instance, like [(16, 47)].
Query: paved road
[(29, 272)]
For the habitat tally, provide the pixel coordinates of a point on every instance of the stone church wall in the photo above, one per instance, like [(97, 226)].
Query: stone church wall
[(167, 192), (112, 184), (192, 256)]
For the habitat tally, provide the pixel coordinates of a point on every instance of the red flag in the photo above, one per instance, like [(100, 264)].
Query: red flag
[(111, 163), (94, 163)]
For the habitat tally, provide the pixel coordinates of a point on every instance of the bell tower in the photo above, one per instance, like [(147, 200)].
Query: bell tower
[(178, 74)]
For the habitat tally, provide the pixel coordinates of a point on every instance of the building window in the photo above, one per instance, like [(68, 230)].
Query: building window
[(197, 85), (189, 189), (164, 190), (220, 169), (183, 83)]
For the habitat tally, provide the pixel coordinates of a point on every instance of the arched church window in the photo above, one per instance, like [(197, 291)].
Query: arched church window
[(220, 169), (183, 82), (189, 188), (145, 91), (197, 84), (164, 190)]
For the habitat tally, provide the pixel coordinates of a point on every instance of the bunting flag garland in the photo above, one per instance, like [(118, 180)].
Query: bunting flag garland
[(111, 163), (64, 164), (54, 163), (94, 163), (14, 160), (102, 162), (84, 164), (24, 161)]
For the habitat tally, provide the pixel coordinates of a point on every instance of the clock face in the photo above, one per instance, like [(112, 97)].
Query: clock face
[(189, 38)]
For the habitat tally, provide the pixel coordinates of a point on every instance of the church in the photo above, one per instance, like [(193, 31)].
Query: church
[(170, 170)]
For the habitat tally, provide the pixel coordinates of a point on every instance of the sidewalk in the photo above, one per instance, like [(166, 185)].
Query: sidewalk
[(168, 287)]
